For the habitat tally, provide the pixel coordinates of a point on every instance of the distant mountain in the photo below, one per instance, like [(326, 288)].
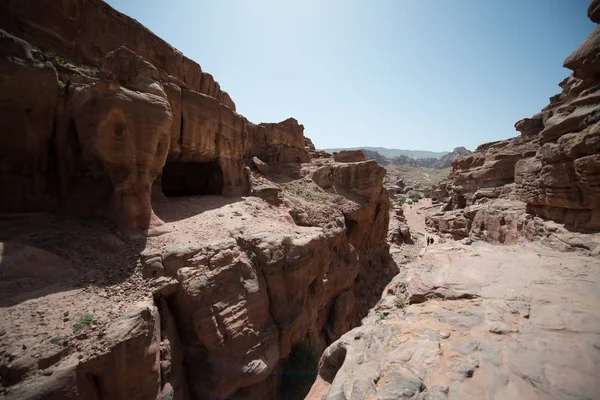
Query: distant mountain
[(446, 160), (439, 160), (391, 153)]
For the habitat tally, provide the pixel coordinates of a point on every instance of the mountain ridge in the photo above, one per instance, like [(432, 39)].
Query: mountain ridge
[(387, 152)]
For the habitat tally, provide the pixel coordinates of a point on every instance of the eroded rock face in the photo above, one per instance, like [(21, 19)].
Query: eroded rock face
[(277, 144), (349, 156), (85, 32), (470, 322), (241, 307), (219, 317), (27, 124), (128, 369), (126, 131), (550, 171), (102, 137)]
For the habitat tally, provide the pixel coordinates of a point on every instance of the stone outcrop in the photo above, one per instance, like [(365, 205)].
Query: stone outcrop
[(470, 322), (277, 144), (398, 230), (85, 140), (366, 220), (346, 156), (85, 31), (120, 124), (550, 172), (445, 161), (129, 368)]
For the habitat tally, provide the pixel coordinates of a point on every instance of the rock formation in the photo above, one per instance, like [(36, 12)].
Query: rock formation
[(446, 160), (188, 297), (542, 184), (470, 322), (84, 32)]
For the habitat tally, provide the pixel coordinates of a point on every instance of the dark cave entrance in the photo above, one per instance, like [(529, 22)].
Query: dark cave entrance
[(191, 178)]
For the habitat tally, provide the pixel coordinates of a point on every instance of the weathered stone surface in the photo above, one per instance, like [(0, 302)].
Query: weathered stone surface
[(260, 165), (504, 330), (277, 144), (347, 156), (551, 169), (26, 125), (213, 132), (174, 96), (108, 117), (28, 266), (530, 126), (398, 230), (239, 315), (85, 32), (129, 369)]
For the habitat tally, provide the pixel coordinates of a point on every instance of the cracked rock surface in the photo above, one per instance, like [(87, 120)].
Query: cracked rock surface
[(488, 322)]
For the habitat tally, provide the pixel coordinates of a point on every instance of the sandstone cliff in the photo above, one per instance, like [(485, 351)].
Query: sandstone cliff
[(187, 293), (542, 184)]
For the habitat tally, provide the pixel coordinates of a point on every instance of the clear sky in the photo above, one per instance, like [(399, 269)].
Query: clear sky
[(410, 74)]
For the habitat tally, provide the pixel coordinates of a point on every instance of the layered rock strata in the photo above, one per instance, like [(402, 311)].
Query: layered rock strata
[(85, 31), (121, 125), (549, 172), (469, 322)]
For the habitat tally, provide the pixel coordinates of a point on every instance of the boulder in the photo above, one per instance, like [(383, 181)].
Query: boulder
[(260, 165)]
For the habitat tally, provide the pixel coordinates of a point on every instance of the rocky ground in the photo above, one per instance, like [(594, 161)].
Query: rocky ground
[(252, 277), (475, 321), (401, 179)]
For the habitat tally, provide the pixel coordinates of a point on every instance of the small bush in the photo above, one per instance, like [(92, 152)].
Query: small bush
[(83, 321), (428, 193), (231, 234), (286, 242), (399, 302), (61, 84), (414, 196), (401, 200)]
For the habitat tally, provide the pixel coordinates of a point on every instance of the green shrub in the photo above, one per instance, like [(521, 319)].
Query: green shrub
[(286, 242), (414, 196), (427, 193), (299, 372), (401, 200), (83, 321), (399, 302)]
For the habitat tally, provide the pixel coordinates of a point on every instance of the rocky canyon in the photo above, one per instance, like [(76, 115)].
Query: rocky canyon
[(155, 244)]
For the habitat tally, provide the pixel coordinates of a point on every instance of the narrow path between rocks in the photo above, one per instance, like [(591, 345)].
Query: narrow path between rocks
[(415, 218)]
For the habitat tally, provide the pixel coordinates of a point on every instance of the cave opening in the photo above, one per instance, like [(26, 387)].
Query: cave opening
[(191, 179)]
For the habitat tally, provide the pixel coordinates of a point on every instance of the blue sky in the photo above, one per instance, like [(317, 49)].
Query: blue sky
[(410, 74)]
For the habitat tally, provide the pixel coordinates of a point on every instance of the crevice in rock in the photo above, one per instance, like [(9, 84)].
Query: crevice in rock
[(421, 298), (180, 139)]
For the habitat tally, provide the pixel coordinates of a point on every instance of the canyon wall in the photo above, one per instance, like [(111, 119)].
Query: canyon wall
[(106, 109), (102, 118), (544, 183), (85, 31)]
